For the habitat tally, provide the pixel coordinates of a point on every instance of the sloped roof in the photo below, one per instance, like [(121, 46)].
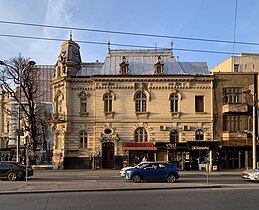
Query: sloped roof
[(141, 62)]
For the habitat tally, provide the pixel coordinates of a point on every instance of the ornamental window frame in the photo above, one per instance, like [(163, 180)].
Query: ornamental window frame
[(83, 140), (140, 135), (140, 102), (83, 96)]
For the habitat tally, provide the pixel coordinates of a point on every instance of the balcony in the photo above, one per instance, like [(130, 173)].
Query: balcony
[(234, 108), (236, 139), (234, 135)]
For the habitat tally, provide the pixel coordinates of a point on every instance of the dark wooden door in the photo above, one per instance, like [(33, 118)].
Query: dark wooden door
[(108, 155)]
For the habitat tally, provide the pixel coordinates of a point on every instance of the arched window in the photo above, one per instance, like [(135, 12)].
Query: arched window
[(140, 135), (174, 102), (83, 140), (141, 102), (199, 135), (174, 136), (107, 103)]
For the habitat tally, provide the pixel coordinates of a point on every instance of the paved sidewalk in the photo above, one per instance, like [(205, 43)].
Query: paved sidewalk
[(45, 181)]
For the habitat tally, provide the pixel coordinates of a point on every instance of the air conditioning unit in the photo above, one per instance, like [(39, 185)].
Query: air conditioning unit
[(162, 128), (186, 127)]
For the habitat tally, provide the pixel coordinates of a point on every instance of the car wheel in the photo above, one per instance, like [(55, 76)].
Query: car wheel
[(171, 178), (136, 178), (12, 176)]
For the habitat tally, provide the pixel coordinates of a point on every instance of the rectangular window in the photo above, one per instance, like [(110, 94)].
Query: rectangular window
[(232, 123), (83, 106), (232, 95), (108, 103), (174, 103), (199, 103)]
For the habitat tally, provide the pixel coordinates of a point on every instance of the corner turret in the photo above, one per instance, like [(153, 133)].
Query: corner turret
[(69, 60)]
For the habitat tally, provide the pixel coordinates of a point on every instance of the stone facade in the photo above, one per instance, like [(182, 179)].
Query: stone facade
[(109, 116)]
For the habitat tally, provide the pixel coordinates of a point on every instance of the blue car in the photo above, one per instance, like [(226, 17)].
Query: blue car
[(153, 171)]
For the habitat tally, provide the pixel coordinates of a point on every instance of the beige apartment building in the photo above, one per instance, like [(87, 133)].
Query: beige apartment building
[(244, 62), (233, 109), (136, 104)]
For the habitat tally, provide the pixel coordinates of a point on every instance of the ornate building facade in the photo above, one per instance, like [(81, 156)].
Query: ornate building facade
[(136, 104)]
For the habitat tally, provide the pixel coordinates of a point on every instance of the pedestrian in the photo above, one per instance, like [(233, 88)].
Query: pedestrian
[(144, 159), (6, 157), (136, 160)]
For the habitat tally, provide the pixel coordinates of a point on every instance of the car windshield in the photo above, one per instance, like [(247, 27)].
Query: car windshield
[(143, 165), (140, 165)]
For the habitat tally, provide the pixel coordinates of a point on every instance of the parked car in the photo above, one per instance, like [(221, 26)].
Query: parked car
[(251, 174), (153, 171), (13, 171), (122, 171)]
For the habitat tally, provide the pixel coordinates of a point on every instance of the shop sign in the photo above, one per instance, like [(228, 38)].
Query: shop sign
[(138, 144), (200, 147), (171, 146)]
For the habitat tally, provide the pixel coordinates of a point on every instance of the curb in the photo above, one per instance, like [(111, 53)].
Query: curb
[(106, 189)]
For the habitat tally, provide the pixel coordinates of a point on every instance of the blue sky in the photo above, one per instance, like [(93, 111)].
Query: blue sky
[(205, 19)]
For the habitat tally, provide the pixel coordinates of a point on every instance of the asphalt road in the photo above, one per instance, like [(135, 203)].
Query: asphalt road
[(200, 199), (81, 180)]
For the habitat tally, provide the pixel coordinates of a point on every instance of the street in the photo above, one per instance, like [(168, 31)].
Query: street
[(80, 189), (218, 198), (82, 180)]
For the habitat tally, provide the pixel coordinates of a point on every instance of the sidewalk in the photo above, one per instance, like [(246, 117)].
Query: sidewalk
[(45, 181)]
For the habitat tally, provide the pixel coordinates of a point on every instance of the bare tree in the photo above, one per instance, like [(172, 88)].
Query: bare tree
[(17, 74), (43, 118)]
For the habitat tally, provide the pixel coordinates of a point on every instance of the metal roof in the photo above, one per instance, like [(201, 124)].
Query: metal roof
[(141, 62)]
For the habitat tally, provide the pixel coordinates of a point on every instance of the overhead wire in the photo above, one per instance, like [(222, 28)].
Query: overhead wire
[(113, 44), (127, 33)]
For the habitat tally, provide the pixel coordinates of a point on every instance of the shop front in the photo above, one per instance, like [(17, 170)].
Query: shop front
[(175, 153), (202, 153), (135, 152)]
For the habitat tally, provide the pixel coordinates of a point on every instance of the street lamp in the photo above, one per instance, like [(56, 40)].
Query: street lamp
[(253, 98), (21, 69)]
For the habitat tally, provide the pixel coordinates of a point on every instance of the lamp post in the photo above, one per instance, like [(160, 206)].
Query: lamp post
[(21, 69), (248, 92)]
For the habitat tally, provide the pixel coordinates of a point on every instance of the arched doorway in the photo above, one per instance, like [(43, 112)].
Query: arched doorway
[(108, 155)]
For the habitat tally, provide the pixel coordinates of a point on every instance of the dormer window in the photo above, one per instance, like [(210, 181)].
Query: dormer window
[(159, 66), (124, 66)]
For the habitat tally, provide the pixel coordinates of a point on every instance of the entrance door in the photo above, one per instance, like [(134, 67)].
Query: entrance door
[(108, 155)]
